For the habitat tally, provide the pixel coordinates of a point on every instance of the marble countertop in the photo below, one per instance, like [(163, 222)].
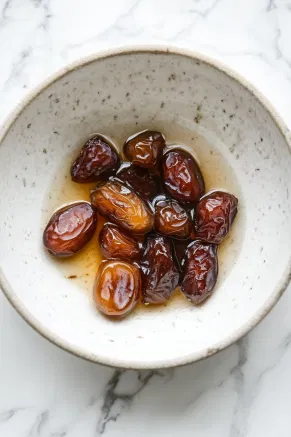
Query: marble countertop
[(242, 391)]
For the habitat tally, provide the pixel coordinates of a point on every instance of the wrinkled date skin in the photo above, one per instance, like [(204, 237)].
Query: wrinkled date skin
[(200, 271), (116, 243), (97, 159), (214, 216), (171, 219), (122, 206), (117, 288), (160, 275), (69, 229), (182, 177), (144, 149), (144, 183)]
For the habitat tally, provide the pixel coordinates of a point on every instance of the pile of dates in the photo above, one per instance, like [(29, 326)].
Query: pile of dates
[(162, 231)]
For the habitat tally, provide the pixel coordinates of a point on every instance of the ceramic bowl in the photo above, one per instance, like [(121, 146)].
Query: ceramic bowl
[(242, 147)]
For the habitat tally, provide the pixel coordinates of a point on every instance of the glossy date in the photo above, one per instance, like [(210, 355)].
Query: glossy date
[(122, 206), (200, 271), (171, 219), (144, 183), (214, 216), (116, 243), (69, 229), (182, 177), (96, 160), (160, 275), (144, 149), (117, 288)]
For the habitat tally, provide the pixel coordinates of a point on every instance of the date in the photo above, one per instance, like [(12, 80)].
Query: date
[(214, 216), (70, 229), (171, 219), (122, 206), (182, 177), (160, 276), (200, 271), (117, 244), (144, 148), (143, 182), (96, 160), (117, 288)]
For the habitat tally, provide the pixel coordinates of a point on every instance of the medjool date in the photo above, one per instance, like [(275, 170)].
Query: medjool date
[(171, 219), (160, 275), (214, 215), (69, 229), (122, 206), (182, 177), (96, 159), (117, 288), (144, 149), (200, 271), (116, 243), (144, 183)]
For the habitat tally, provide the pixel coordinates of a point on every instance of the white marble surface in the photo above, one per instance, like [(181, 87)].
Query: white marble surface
[(244, 390)]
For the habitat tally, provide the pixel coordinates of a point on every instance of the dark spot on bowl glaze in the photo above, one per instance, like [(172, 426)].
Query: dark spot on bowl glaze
[(172, 77)]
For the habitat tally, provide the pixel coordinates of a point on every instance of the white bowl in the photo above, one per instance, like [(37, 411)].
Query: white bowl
[(242, 146)]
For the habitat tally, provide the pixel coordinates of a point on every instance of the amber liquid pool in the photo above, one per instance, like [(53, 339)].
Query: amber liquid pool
[(82, 268)]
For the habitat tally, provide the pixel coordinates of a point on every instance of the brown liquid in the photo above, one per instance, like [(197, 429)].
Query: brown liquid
[(82, 267)]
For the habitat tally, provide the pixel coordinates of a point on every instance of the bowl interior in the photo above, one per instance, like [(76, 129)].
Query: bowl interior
[(240, 149)]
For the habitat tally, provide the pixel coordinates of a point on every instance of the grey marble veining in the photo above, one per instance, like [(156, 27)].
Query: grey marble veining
[(242, 391)]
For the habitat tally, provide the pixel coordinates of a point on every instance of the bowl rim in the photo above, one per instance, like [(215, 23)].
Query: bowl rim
[(246, 327)]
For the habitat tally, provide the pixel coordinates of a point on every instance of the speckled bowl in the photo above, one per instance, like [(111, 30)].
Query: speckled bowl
[(242, 146)]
